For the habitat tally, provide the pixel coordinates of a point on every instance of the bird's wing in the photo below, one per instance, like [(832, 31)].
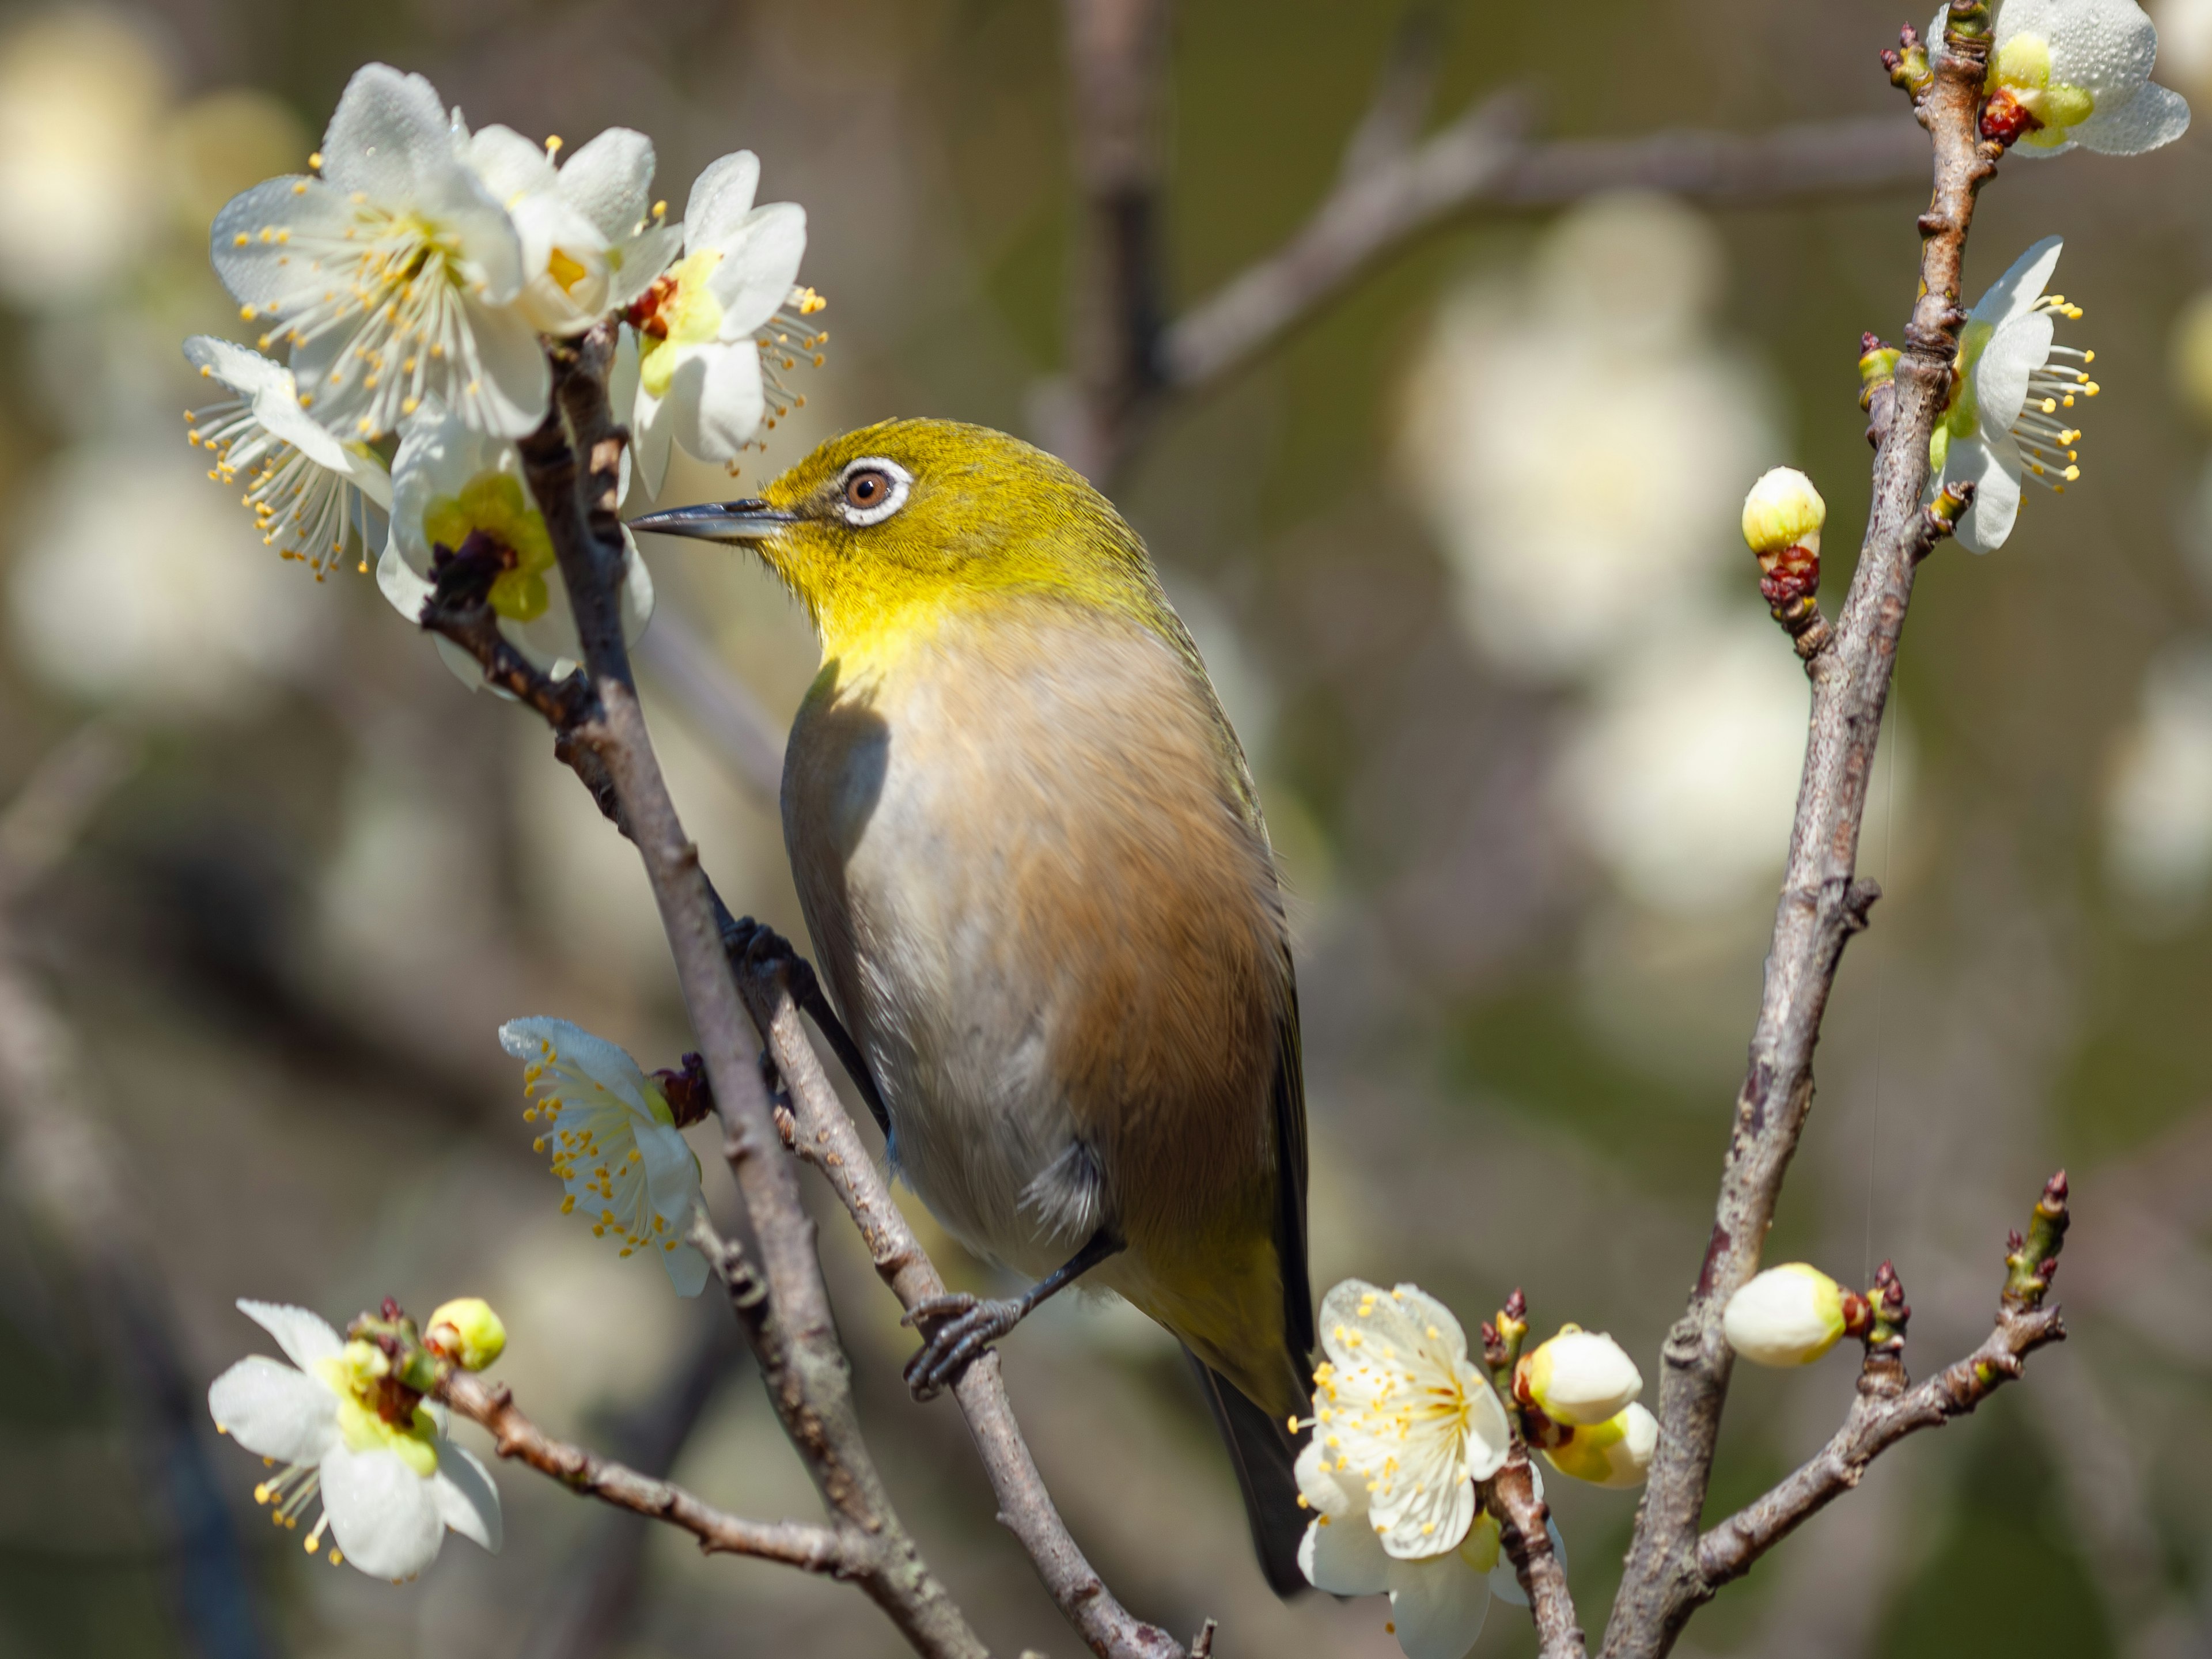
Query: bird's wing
[(1290, 1112)]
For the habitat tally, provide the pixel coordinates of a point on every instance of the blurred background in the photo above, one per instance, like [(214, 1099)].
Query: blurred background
[(1461, 555)]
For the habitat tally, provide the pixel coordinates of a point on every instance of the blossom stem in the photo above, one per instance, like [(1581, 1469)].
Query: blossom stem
[(809, 1546), (1823, 903)]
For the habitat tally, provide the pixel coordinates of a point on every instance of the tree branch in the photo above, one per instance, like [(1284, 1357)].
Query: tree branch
[(600, 731), (809, 1546), (1510, 1495), (824, 1135), (1885, 1410), (1821, 904)]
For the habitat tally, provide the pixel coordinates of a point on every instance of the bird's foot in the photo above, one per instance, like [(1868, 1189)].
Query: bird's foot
[(956, 1329), (758, 948)]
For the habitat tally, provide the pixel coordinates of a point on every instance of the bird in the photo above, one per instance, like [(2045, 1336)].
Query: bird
[(1029, 852)]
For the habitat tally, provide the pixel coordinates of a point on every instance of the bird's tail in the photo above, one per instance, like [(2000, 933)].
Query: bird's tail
[(1264, 1453)]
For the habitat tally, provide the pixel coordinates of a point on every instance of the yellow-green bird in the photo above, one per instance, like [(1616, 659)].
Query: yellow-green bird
[(1031, 857)]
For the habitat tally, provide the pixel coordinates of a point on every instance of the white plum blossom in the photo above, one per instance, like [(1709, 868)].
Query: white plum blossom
[(453, 487), (389, 1488), (2069, 72), (1398, 1406), (310, 494), (1787, 1315), (1580, 1378), (590, 243), (613, 1141), (715, 328), (2007, 419), (1577, 434), (392, 276), (1439, 1601)]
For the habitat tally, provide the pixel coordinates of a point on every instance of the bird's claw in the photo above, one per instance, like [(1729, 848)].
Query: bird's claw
[(956, 1329)]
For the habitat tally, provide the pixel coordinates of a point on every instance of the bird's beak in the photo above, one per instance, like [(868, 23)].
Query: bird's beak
[(718, 521)]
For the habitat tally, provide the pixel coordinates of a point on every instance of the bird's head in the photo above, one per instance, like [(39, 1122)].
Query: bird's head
[(881, 530)]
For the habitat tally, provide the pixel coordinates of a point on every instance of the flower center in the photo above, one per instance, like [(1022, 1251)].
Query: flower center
[(492, 507), (679, 309), (2025, 103), (376, 1412)]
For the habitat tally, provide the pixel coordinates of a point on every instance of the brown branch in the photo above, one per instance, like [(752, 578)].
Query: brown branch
[(823, 1133), (601, 733), (1510, 1495), (811, 1548), (1822, 904), (1117, 66), (1887, 1409), (1481, 161), (1876, 1423)]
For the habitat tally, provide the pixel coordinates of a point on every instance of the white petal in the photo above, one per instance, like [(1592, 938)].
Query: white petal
[(1489, 1432), (408, 591), (510, 395), (2019, 346), (243, 372), (465, 1495), (761, 259), (714, 401), (2154, 116), (1331, 1492), (1344, 1558), (672, 1175), (1438, 1605), (635, 263), (382, 1513), (271, 1409), (2021, 285), (305, 1337), (509, 164), (637, 589), (720, 196), (652, 428), (257, 271), (608, 181), (2107, 46), (1992, 461), (601, 1060), (390, 130), (687, 1269)]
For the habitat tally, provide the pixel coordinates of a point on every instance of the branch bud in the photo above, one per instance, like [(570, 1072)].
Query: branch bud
[(1791, 1316), (2033, 1261), (467, 1332), (1579, 1379), (1908, 66), (1781, 520)]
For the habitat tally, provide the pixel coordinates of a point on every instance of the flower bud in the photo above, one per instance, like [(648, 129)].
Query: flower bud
[(1790, 1316), (1616, 1453), (1579, 1378), (1784, 511), (467, 1332)]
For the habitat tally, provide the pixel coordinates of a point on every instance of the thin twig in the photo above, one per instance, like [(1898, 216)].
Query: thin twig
[(807, 1546), (1822, 904), (1379, 209)]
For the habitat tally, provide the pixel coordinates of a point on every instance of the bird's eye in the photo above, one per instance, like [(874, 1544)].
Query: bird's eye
[(871, 490)]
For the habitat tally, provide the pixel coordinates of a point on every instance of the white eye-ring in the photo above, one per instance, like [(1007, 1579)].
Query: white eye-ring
[(871, 490)]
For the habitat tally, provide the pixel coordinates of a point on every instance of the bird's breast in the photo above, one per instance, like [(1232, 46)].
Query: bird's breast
[(1052, 924)]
